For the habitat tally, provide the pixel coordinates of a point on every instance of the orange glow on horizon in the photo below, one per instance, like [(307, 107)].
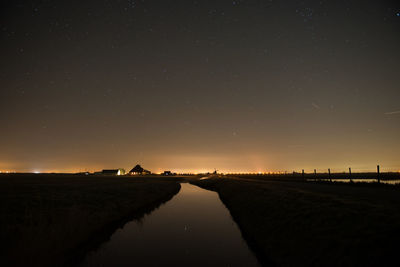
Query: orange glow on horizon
[(201, 170)]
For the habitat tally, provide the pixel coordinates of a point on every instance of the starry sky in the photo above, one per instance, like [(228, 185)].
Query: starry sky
[(190, 86)]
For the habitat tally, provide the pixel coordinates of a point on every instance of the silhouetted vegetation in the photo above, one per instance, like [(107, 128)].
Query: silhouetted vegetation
[(297, 223), (372, 176), (53, 220)]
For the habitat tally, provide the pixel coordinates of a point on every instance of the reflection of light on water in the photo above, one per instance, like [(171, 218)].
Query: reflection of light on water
[(205, 177), (192, 229), (393, 182)]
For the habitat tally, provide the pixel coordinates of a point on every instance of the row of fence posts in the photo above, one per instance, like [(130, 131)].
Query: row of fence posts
[(330, 177)]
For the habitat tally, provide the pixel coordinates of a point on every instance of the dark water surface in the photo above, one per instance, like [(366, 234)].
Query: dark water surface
[(192, 229)]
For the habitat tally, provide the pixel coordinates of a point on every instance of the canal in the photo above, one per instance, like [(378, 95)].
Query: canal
[(192, 229)]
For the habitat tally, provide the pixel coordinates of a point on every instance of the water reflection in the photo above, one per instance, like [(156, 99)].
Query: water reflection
[(192, 229)]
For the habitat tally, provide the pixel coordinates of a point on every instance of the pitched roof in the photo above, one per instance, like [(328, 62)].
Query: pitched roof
[(137, 169)]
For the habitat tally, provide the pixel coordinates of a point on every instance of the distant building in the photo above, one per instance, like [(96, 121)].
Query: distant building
[(168, 173), (138, 170), (113, 172)]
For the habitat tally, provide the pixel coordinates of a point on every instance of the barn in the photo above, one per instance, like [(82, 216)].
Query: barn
[(138, 170)]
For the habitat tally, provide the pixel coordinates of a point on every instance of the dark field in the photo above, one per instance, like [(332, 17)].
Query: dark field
[(297, 223), (53, 220)]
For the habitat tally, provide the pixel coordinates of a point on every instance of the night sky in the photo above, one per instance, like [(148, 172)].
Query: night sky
[(197, 85)]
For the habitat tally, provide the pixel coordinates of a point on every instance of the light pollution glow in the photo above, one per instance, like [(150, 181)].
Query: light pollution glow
[(204, 164)]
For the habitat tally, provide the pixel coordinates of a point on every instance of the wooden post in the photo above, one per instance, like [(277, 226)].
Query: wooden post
[(315, 174), (302, 173), (329, 172), (350, 174), (378, 172)]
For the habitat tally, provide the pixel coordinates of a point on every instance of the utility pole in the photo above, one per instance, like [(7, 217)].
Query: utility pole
[(329, 172), (378, 172), (350, 174)]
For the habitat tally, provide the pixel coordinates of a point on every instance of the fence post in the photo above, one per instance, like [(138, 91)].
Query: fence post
[(329, 172), (378, 172), (350, 174)]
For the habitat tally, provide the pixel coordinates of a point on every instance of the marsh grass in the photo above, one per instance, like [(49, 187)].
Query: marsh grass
[(314, 224), (53, 220)]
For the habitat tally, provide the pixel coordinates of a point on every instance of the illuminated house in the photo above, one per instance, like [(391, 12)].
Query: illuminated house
[(113, 172), (138, 170)]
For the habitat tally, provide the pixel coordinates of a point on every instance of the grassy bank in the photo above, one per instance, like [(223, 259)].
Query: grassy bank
[(53, 220), (314, 224)]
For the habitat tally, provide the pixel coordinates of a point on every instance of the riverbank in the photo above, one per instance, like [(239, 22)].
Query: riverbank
[(53, 220), (314, 224)]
